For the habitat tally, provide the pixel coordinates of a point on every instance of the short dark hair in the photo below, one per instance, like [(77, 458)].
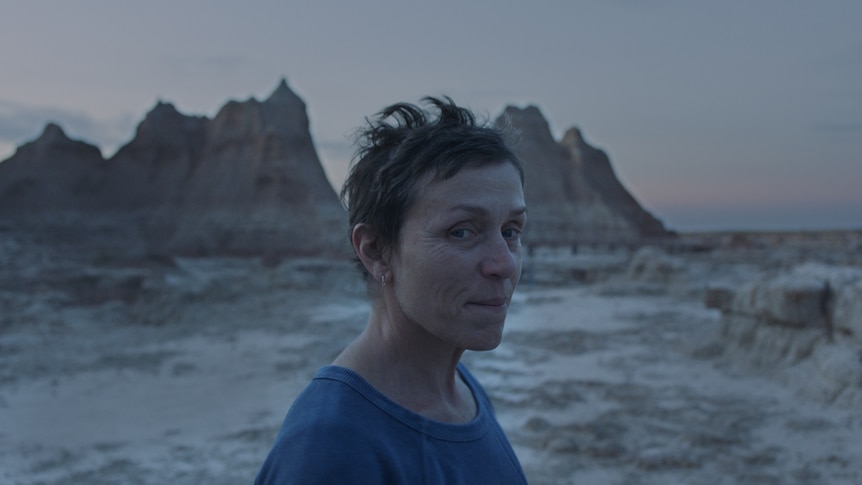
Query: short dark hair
[(402, 144)]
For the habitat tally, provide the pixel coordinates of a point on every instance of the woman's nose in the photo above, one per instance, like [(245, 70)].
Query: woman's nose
[(501, 259)]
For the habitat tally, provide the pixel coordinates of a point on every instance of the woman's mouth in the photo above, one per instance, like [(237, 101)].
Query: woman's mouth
[(492, 302)]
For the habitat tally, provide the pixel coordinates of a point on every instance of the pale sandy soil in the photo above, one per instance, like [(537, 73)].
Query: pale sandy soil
[(185, 376)]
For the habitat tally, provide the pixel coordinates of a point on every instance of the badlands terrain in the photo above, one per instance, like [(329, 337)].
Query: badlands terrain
[(726, 358)]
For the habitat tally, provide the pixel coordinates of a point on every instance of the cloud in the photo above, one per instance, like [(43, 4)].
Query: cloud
[(20, 123)]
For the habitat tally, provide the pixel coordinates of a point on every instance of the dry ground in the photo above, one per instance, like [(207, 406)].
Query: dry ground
[(157, 371)]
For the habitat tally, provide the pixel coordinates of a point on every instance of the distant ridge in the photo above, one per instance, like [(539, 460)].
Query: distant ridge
[(573, 194), (49, 177), (247, 182)]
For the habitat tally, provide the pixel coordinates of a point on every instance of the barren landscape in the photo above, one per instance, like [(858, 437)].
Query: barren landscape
[(617, 366), (175, 246)]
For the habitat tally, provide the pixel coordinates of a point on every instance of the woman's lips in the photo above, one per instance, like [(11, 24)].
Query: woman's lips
[(491, 302)]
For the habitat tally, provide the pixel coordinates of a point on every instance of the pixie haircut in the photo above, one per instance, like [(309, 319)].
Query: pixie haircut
[(402, 144)]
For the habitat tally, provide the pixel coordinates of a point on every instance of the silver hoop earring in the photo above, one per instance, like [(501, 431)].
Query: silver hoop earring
[(383, 280)]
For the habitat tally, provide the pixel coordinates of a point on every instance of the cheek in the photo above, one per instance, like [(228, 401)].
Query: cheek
[(433, 275), (438, 283), (519, 265)]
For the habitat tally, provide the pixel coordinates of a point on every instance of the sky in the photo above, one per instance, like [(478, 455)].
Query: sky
[(716, 115)]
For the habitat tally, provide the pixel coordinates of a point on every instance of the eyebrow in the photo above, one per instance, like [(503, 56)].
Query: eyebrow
[(475, 209)]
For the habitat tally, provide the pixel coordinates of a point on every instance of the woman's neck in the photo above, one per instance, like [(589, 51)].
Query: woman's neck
[(412, 368)]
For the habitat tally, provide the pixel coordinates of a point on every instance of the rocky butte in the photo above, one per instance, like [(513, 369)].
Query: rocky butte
[(572, 191), (247, 182)]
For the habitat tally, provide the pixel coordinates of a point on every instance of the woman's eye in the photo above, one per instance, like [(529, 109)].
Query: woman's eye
[(511, 233), (460, 233)]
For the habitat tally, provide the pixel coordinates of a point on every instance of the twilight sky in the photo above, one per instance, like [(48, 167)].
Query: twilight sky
[(715, 114)]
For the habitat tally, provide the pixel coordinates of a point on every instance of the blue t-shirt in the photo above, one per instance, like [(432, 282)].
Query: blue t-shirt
[(343, 430)]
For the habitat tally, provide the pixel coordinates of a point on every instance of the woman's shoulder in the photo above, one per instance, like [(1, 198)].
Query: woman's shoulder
[(331, 398), (332, 434)]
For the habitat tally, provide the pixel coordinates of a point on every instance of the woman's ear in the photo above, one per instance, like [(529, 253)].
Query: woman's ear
[(369, 248)]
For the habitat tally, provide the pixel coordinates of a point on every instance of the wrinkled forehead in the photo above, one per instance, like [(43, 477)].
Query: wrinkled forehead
[(498, 182), (443, 172)]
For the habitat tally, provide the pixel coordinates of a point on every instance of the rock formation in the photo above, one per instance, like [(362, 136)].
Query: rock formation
[(572, 192), (153, 168), (260, 187), (247, 182), (49, 176), (807, 318)]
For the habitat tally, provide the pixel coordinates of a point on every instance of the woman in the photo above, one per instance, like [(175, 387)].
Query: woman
[(436, 207)]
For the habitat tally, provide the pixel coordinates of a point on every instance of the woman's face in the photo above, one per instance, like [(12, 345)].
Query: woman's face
[(458, 257)]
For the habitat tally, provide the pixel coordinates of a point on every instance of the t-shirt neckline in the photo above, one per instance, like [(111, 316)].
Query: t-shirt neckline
[(469, 431)]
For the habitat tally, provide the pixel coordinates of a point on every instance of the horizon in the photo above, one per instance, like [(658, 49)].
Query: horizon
[(756, 131)]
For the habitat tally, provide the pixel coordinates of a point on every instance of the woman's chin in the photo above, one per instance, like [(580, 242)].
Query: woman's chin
[(488, 341)]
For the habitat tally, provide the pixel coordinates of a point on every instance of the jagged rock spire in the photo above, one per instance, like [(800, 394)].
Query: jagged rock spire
[(246, 182), (52, 132), (573, 194), (282, 93)]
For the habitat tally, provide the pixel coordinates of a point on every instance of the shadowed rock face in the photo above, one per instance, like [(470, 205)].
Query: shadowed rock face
[(49, 176), (247, 182), (572, 191), (260, 177), (152, 169)]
